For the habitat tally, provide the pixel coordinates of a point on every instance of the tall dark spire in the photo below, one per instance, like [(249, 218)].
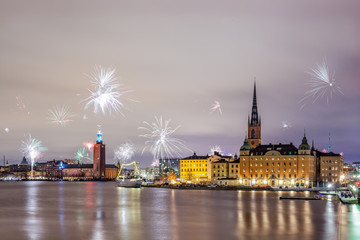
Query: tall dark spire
[(329, 145), (254, 112)]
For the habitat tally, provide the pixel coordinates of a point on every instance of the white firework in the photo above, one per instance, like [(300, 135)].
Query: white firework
[(124, 152), (214, 149), (216, 106), (285, 125), (155, 163), (321, 84), (32, 148), (60, 115), (107, 91), (161, 143)]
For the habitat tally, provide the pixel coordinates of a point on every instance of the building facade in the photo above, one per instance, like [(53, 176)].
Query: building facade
[(197, 169), (330, 168)]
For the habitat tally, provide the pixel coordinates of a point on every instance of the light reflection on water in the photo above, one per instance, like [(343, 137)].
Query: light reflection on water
[(94, 210), (33, 223)]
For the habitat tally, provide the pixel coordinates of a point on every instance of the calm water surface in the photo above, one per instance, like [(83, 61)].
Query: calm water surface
[(95, 210)]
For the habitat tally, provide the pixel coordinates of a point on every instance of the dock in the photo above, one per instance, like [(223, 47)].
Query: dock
[(298, 198)]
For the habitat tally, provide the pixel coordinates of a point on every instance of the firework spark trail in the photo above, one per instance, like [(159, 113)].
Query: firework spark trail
[(214, 149), (160, 142), (216, 106), (107, 93), (32, 148), (124, 152), (81, 155), (321, 84), (60, 115)]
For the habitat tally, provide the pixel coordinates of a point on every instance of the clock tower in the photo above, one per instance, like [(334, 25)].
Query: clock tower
[(254, 124)]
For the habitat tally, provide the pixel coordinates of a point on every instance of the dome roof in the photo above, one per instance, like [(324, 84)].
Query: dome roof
[(304, 145), (245, 146)]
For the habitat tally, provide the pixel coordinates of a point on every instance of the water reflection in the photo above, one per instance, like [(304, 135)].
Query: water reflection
[(128, 220), (102, 211), (33, 224)]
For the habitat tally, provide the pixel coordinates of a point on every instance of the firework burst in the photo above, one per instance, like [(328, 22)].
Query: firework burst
[(89, 145), (60, 115), (321, 84), (155, 163), (32, 148), (214, 149), (216, 106), (124, 152), (285, 125), (81, 155), (21, 104), (107, 91), (161, 143)]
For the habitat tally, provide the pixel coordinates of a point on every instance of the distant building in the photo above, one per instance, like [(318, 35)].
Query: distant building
[(168, 164), (99, 158), (24, 161)]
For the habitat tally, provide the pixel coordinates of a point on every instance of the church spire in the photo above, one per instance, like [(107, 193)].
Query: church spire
[(329, 145), (254, 112)]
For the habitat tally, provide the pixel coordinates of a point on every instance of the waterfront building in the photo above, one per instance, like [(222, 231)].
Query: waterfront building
[(330, 168), (99, 158), (196, 169), (222, 171), (280, 165)]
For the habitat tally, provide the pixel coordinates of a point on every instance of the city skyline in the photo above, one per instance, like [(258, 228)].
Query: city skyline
[(196, 68)]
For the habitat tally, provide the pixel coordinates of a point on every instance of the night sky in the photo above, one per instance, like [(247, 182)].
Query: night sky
[(178, 57)]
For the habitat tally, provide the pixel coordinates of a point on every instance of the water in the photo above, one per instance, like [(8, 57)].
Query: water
[(96, 210)]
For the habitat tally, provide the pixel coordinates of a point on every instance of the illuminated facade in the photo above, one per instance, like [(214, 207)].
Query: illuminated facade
[(330, 168), (99, 158), (196, 169)]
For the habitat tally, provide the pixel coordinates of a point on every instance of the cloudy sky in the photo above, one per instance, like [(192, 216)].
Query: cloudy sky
[(178, 57)]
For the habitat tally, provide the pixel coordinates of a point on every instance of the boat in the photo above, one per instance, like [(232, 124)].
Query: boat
[(299, 198), (347, 197), (129, 181)]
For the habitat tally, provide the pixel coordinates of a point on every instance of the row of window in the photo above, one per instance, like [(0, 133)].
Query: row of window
[(262, 159), (193, 165), (330, 168), (284, 170), (194, 161), (267, 164), (194, 170), (334, 174)]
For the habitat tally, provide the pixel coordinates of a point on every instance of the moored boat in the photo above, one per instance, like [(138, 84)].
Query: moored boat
[(348, 197), (129, 182)]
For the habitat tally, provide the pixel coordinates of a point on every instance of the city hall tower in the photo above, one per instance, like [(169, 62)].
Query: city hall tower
[(99, 158)]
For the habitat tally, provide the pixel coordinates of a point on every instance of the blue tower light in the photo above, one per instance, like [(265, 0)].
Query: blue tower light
[(99, 137)]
